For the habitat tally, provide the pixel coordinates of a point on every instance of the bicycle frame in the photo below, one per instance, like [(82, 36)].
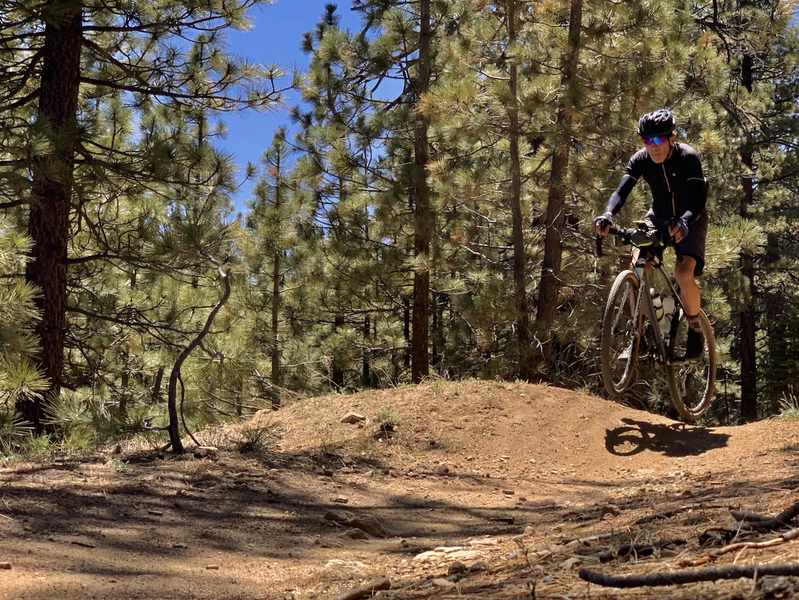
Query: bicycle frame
[(625, 334), (650, 252), (655, 260)]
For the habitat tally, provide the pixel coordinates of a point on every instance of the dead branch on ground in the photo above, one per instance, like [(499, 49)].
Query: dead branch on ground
[(367, 589), (682, 577), (786, 537), (757, 522), (638, 550)]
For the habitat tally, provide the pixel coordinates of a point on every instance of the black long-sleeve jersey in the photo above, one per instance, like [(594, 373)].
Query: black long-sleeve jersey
[(678, 184)]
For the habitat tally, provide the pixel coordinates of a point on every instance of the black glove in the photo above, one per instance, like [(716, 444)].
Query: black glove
[(679, 230), (603, 221)]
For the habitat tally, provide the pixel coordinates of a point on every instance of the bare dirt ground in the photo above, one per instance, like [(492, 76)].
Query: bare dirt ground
[(448, 490)]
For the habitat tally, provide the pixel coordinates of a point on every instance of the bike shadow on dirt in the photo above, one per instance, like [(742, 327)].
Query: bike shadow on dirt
[(670, 439)]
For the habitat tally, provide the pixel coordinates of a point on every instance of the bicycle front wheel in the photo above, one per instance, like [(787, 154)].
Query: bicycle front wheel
[(620, 337), (692, 383)]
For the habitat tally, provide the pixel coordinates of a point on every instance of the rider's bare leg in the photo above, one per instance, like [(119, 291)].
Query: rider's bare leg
[(689, 290), (684, 274), (634, 259)]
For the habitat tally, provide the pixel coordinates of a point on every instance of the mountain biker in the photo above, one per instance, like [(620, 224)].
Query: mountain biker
[(674, 174)]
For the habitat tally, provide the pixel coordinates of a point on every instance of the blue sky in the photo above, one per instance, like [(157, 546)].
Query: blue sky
[(275, 39)]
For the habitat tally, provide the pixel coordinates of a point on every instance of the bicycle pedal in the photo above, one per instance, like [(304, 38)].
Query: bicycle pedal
[(676, 362)]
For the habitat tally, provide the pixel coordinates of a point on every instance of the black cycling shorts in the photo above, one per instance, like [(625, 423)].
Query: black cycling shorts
[(693, 244)]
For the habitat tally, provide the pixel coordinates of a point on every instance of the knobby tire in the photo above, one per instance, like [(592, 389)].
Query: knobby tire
[(619, 331), (692, 385)]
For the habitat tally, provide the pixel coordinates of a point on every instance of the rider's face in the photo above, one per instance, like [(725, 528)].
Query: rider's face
[(659, 152)]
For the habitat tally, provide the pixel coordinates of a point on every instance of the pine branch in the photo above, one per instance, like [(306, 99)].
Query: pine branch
[(4, 205), (6, 108), (228, 402), (158, 91), (126, 322)]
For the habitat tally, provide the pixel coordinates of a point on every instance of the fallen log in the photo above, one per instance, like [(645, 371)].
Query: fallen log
[(755, 522), (682, 577), (364, 590)]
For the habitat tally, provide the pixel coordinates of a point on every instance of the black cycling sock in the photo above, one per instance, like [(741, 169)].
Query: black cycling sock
[(693, 322)]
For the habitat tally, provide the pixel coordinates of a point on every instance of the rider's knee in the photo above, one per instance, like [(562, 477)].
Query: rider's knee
[(685, 277)]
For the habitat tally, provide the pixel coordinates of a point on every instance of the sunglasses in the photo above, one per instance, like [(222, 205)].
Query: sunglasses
[(656, 140)]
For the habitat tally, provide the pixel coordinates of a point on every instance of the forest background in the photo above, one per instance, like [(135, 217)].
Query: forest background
[(429, 216)]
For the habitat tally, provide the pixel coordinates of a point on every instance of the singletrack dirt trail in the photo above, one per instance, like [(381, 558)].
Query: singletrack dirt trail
[(464, 489)]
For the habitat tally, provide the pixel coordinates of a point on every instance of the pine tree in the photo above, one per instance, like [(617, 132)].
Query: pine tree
[(555, 216), (18, 344), (340, 142), (753, 104), (273, 252), (523, 336), (372, 178), (83, 66), (420, 353)]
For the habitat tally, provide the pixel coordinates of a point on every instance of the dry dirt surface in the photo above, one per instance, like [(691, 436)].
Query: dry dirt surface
[(446, 490)]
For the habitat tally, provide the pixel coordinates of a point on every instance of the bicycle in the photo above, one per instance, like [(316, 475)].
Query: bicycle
[(633, 330)]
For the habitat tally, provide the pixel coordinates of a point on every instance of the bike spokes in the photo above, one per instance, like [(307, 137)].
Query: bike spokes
[(620, 334), (692, 378)]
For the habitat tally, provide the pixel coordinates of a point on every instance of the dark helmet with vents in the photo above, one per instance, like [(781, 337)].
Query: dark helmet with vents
[(659, 122)]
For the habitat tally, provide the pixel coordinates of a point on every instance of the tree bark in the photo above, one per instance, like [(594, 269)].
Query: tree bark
[(420, 360), (337, 368), (523, 336), (275, 320), (276, 287), (555, 216), (366, 371), (172, 405), (155, 391), (748, 314), (48, 223), (406, 331)]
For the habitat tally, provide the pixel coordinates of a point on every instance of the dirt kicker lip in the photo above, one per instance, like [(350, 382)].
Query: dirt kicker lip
[(581, 469)]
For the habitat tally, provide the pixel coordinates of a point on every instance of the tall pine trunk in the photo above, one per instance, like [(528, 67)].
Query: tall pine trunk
[(48, 224), (276, 289), (748, 314), (420, 360), (555, 216), (523, 337), (366, 370), (275, 319)]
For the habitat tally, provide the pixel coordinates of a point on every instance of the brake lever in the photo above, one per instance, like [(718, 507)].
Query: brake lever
[(672, 222), (599, 246)]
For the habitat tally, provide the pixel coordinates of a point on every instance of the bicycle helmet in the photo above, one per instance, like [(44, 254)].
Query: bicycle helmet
[(659, 122)]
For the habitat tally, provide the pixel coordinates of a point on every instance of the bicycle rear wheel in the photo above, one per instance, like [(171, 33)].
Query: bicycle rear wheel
[(692, 384), (621, 336)]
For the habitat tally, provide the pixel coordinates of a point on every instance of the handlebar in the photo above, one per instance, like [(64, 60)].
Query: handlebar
[(640, 237)]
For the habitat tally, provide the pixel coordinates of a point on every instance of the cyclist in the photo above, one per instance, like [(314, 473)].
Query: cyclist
[(674, 174)]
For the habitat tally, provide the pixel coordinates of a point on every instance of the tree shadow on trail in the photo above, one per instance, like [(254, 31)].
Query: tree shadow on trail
[(675, 439)]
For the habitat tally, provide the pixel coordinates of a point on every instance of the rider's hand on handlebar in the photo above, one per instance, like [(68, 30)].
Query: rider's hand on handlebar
[(602, 223), (678, 230)]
